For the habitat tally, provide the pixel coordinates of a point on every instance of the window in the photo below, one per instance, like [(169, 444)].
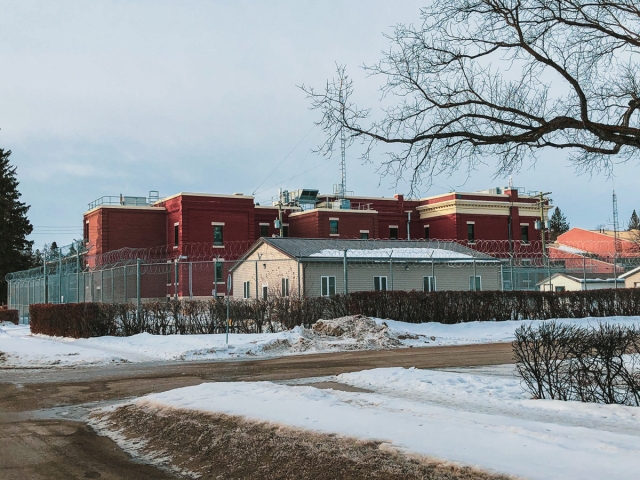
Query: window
[(219, 273), (380, 284), (333, 227), (328, 286), (471, 232), (393, 233), (524, 233), (475, 283), (285, 230), (176, 234), (265, 292), (86, 232), (426, 232), (429, 284), (264, 230), (218, 235), (559, 289), (285, 287), (364, 234), (246, 290)]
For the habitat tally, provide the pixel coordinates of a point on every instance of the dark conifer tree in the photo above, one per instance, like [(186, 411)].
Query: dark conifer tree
[(558, 224), (15, 249), (634, 223)]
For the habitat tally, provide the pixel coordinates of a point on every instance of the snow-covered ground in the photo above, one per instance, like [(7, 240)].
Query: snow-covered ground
[(475, 417), (18, 348)]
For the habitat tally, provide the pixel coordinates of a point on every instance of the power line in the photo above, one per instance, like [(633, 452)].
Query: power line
[(281, 161)]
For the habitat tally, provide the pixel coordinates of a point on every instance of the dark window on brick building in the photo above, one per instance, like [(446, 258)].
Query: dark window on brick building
[(393, 233), (426, 232), (364, 235), (264, 230), (86, 232), (471, 232), (524, 233), (285, 230), (176, 235), (218, 235), (333, 227)]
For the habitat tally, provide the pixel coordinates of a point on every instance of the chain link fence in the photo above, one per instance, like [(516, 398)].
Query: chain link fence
[(137, 277)]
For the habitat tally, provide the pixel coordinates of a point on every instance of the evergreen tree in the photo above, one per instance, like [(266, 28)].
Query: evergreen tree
[(15, 249), (634, 223), (558, 224)]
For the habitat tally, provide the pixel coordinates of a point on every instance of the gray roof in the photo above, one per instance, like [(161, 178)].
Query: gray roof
[(311, 248)]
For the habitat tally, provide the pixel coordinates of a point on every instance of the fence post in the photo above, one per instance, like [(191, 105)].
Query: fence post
[(501, 277), (391, 269), (584, 273), (44, 266), (125, 284), (299, 281), (175, 282), (78, 275), (138, 279), (215, 278), (345, 273), (474, 275), (257, 280), (101, 286), (59, 277), (511, 269), (190, 280)]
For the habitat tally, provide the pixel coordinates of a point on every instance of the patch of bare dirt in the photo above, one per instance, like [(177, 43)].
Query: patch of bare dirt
[(210, 446)]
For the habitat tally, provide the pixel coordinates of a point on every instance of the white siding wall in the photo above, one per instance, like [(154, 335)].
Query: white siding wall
[(361, 276)]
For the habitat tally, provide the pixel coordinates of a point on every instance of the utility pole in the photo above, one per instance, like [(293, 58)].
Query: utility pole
[(543, 224), (615, 239)]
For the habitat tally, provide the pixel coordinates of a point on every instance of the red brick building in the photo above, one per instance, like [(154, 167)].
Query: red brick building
[(194, 226)]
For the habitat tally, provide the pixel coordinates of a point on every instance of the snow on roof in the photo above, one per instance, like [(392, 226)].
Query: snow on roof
[(568, 249), (422, 253)]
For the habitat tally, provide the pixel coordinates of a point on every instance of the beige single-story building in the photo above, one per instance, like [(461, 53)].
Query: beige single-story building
[(561, 282), (319, 267), (631, 278)]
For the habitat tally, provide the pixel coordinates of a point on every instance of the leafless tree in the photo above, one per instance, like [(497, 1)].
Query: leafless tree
[(499, 80)]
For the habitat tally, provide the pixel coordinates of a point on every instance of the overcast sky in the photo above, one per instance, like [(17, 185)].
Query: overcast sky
[(108, 97)]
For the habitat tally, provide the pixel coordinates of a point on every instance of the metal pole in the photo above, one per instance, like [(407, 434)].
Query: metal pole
[(345, 273), (256, 280), (408, 225), (44, 267), (433, 276), (511, 268), (78, 275), (391, 269), (138, 282), (474, 274), (59, 277), (101, 286), (125, 284), (175, 285), (584, 273), (501, 277), (190, 280), (229, 285), (113, 285), (215, 278), (299, 282)]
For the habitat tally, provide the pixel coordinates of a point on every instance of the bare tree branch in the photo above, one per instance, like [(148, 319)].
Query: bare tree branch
[(498, 79)]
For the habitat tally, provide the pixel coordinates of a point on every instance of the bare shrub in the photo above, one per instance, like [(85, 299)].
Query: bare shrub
[(598, 364)]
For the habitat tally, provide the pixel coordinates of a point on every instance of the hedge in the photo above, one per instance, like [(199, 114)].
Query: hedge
[(277, 313), (9, 316)]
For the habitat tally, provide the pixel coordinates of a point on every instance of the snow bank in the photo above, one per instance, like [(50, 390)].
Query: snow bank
[(483, 420), (18, 348)]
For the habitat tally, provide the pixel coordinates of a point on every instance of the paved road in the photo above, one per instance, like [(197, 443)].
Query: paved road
[(43, 445)]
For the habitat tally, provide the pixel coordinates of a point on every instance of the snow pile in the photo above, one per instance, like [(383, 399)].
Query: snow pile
[(481, 419)]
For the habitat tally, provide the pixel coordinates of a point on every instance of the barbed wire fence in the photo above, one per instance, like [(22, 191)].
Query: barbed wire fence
[(199, 271)]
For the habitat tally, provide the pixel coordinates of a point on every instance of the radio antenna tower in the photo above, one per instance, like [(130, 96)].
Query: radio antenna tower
[(342, 191), (615, 237)]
